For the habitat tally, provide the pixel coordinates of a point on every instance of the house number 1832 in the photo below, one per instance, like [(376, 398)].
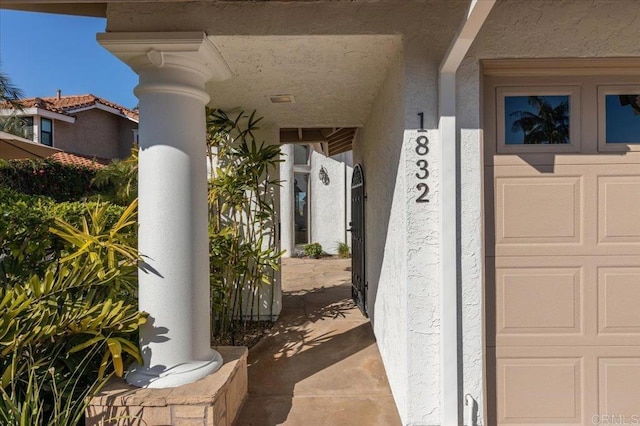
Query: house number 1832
[(422, 149)]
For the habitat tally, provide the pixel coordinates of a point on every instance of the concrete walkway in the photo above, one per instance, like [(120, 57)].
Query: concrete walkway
[(320, 364)]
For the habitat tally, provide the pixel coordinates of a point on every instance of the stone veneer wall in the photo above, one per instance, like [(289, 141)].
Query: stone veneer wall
[(212, 401)]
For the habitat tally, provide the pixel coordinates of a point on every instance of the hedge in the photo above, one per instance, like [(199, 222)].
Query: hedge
[(62, 182), (25, 240)]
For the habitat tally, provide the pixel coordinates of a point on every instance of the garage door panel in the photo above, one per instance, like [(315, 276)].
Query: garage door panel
[(539, 300), (531, 210), (540, 390), (618, 297), (564, 301), (619, 388), (619, 210), (545, 300), (570, 210)]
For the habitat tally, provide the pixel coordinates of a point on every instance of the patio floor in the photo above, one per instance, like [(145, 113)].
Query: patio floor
[(320, 364)]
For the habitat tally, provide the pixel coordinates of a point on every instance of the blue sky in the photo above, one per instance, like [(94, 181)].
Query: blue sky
[(44, 52)]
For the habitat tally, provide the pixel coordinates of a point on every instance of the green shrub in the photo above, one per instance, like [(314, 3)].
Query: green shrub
[(64, 331), (26, 245), (343, 250), (313, 250), (62, 182), (118, 181)]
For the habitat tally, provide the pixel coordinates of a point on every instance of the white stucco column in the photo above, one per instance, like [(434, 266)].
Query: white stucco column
[(173, 237), (450, 354), (287, 233)]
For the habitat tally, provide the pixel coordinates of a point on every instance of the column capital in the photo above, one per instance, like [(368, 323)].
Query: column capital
[(188, 50)]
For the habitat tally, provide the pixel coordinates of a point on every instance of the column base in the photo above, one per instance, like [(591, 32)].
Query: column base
[(162, 377)]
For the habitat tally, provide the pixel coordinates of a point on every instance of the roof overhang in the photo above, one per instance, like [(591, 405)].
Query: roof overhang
[(96, 9), (102, 107), (336, 141), (37, 111), (13, 147)]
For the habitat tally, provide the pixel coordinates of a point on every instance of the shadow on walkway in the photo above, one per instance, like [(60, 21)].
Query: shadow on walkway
[(319, 365)]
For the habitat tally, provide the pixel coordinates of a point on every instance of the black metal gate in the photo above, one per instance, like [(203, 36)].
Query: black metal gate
[(358, 283)]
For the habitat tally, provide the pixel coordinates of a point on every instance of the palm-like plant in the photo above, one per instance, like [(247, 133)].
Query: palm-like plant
[(548, 125), (243, 249), (120, 179), (62, 332), (10, 96)]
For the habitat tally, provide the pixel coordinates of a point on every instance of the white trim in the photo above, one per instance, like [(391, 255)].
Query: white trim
[(37, 111), (40, 131), (188, 50), (102, 107), (450, 403)]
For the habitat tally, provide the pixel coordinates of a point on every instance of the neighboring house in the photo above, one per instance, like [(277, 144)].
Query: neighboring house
[(502, 254), (85, 125), (315, 197)]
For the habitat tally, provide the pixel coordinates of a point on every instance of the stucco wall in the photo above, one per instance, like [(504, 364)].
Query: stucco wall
[(423, 228), (286, 208), (517, 29), (95, 133), (329, 202), (125, 136), (402, 235), (291, 17), (379, 149)]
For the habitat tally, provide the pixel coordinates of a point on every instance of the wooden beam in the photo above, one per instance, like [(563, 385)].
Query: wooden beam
[(308, 136)]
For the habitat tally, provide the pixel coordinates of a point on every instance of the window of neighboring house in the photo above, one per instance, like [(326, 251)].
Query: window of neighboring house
[(28, 127), (46, 131), (300, 154)]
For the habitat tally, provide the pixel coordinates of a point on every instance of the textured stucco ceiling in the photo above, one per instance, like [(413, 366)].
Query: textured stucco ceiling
[(334, 79)]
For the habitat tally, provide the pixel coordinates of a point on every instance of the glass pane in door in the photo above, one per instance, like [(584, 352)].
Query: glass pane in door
[(301, 208)]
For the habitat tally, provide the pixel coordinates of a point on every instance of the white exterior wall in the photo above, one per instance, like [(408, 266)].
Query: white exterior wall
[(328, 205), (286, 217), (423, 229), (515, 29), (379, 149), (402, 262)]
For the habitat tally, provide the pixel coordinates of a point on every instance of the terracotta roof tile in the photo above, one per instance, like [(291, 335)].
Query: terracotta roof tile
[(80, 160), (68, 104)]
